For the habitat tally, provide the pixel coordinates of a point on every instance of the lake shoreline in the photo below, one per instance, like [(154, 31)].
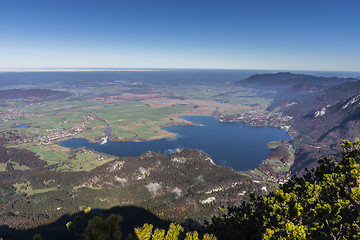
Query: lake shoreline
[(223, 141)]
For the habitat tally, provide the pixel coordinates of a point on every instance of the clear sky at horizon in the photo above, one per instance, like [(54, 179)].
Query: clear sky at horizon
[(267, 34)]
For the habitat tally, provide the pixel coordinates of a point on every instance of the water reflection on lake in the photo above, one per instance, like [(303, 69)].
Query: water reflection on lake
[(231, 144)]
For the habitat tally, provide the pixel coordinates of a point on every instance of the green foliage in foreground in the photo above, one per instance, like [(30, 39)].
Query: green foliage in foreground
[(322, 204), (175, 232), (100, 228)]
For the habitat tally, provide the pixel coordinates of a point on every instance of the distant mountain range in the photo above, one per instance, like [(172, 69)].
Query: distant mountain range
[(287, 79)]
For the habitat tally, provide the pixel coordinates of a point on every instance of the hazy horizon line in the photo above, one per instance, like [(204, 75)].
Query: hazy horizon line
[(95, 69)]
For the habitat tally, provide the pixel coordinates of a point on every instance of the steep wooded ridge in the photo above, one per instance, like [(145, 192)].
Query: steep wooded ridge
[(322, 111)]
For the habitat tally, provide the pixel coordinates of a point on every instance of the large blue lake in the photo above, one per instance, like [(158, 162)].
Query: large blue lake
[(232, 144)]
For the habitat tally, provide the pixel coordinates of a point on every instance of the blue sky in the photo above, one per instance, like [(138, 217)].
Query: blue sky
[(243, 34)]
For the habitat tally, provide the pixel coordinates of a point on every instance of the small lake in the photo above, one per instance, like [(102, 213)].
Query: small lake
[(22, 126), (232, 144)]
